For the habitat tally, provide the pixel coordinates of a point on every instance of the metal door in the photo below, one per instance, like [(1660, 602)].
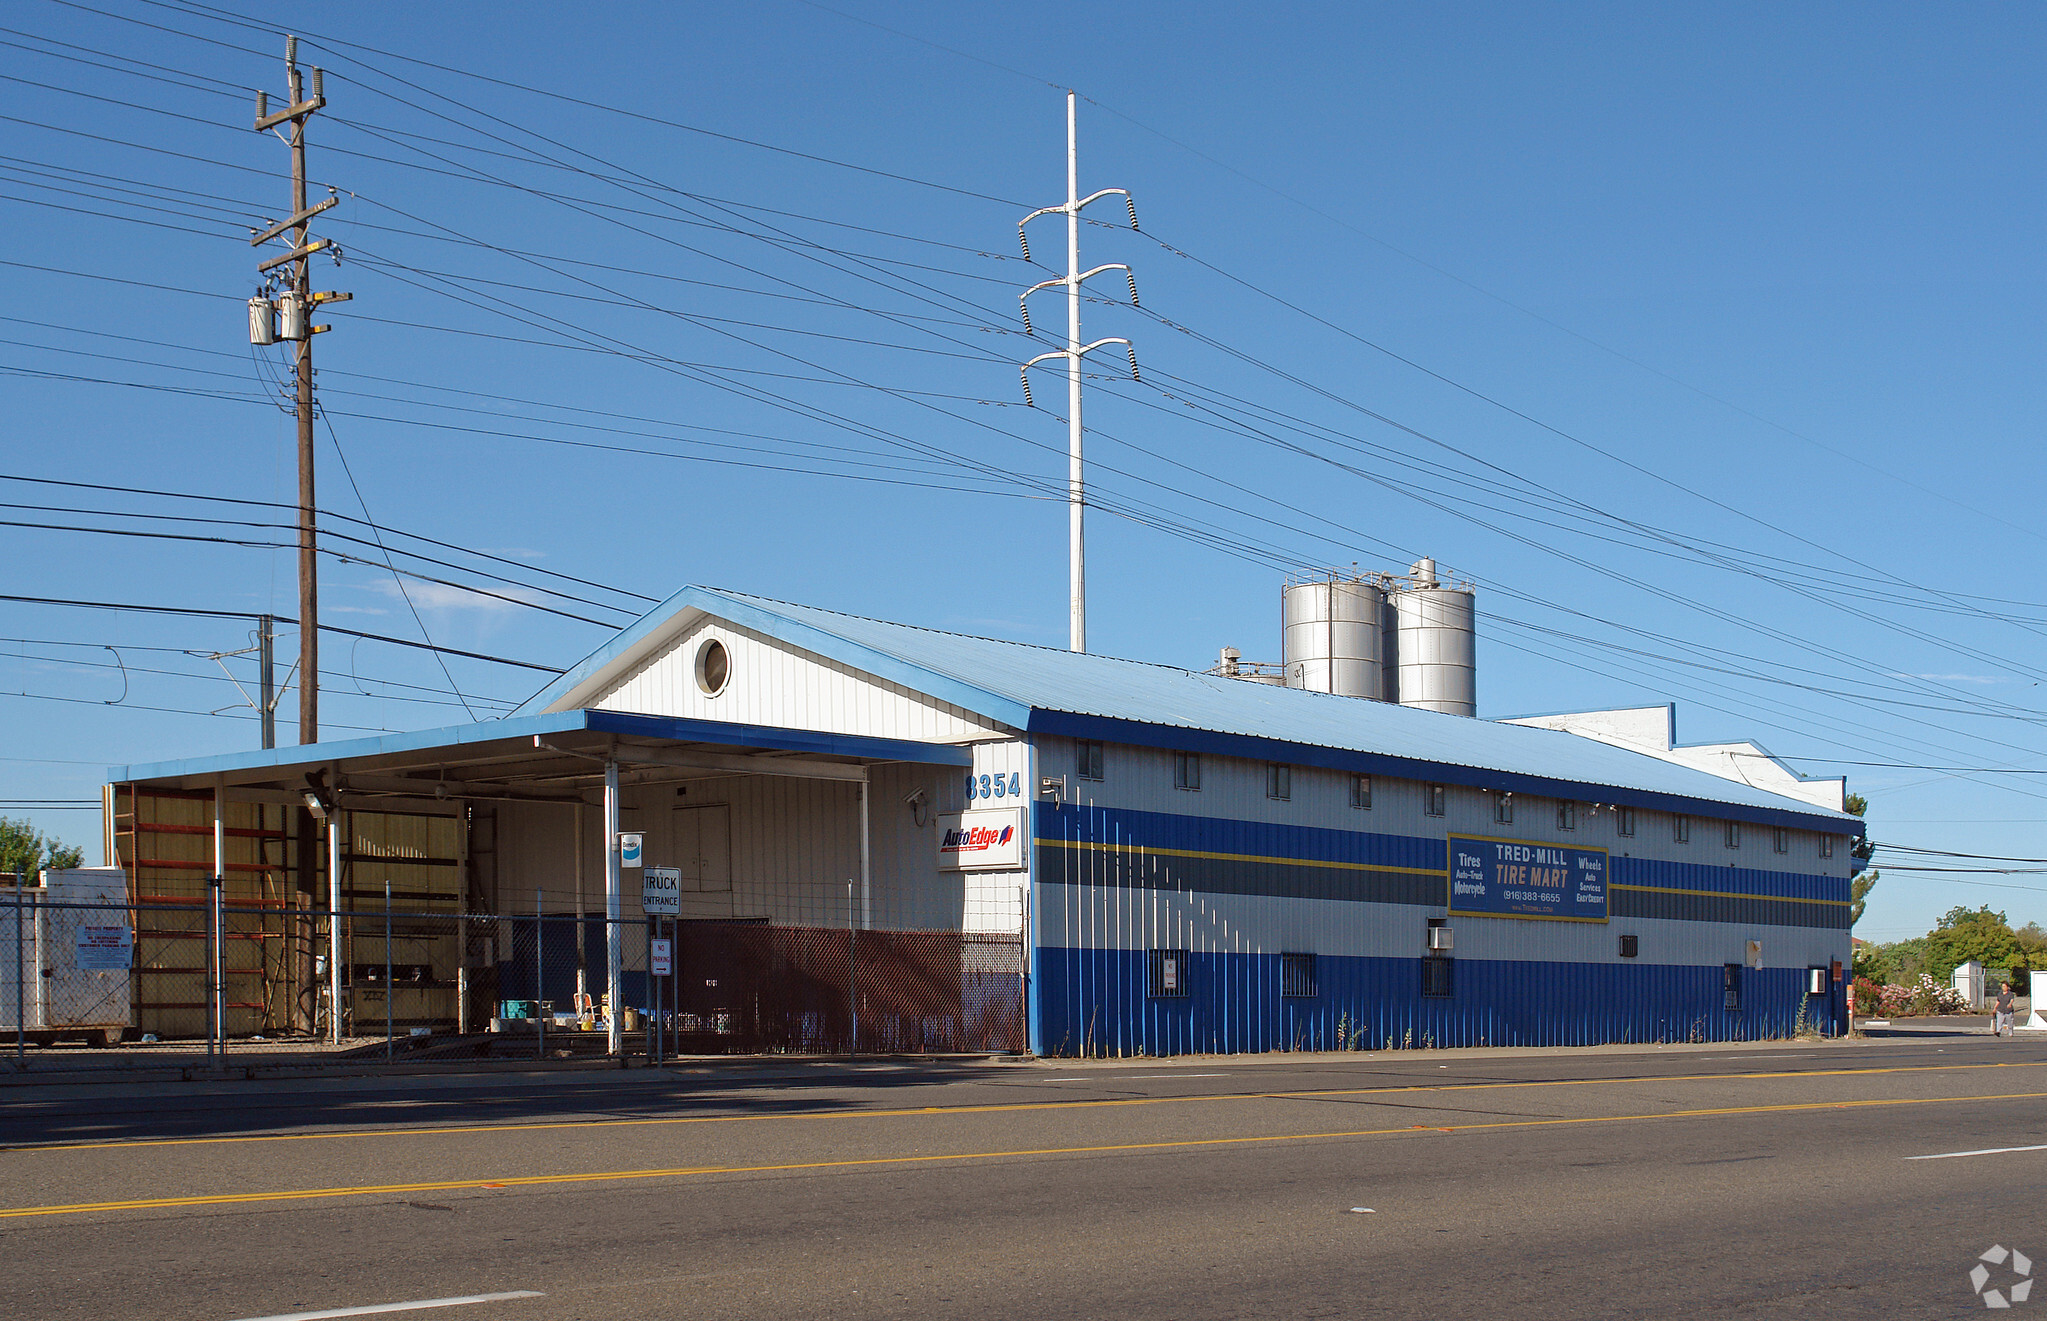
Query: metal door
[(703, 853)]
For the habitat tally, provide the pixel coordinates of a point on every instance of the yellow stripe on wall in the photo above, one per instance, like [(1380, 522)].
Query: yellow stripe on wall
[(1729, 894), (1237, 857)]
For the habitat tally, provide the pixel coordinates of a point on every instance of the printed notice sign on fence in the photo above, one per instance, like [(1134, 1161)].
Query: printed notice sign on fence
[(1526, 878), (103, 949)]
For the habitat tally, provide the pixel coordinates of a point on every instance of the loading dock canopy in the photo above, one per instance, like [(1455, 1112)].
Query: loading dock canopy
[(556, 757)]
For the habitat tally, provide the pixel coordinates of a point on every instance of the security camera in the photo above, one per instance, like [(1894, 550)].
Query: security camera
[(913, 798)]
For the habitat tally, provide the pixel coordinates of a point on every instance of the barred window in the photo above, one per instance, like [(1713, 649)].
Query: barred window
[(1168, 974), (1297, 975), (1437, 976)]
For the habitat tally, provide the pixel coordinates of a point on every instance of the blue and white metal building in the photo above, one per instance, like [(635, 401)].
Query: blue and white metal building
[(1195, 862)]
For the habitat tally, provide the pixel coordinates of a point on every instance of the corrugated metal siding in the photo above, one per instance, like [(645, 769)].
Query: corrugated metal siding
[(1237, 879), (775, 684), (794, 845), (1234, 789), (1137, 918), (1095, 1003)]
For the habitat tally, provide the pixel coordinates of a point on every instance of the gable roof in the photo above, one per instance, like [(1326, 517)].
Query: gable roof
[(1039, 689)]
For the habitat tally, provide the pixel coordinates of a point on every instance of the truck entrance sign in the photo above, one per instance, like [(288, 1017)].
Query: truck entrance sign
[(1526, 878), (661, 891)]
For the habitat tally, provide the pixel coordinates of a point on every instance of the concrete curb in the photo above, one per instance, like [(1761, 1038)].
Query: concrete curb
[(276, 1068)]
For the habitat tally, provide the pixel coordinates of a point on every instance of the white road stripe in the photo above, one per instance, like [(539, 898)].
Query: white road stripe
[(420, 1305), (1140, 1077), (1987, 1151)]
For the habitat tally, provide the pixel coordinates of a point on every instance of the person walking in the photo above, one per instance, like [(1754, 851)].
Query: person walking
[(2000, 1022)]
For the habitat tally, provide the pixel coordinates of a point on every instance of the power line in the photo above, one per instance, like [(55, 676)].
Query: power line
[(332, 514), (282, 619)]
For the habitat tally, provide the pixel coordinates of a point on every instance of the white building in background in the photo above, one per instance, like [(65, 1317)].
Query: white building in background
[(1653, 730)]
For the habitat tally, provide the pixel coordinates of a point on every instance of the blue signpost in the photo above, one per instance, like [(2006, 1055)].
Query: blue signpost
[(1525, 878)]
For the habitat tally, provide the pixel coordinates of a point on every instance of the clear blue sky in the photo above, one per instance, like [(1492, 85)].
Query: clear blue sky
[(1720, 330)]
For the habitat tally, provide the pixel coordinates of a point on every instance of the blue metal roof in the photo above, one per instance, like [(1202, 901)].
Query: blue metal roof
[(559, 722), (1045, 689)]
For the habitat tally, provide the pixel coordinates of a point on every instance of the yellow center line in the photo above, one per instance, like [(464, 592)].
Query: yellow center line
[(687, 1171), (1009, 1107)]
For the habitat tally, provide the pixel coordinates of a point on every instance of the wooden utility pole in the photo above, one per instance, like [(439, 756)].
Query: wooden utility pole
[(288, 317)]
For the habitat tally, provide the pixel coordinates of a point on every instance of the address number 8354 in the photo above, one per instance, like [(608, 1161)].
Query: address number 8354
[(995, 786)]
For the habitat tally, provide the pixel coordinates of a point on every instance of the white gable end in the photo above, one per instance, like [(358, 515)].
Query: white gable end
[(772, 683)]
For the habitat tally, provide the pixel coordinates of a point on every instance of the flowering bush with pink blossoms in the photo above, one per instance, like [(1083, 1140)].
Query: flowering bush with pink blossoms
[(1925, 996)]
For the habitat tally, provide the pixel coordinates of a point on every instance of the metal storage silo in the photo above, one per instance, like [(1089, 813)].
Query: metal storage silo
[(1435, 643), (1331, 636)]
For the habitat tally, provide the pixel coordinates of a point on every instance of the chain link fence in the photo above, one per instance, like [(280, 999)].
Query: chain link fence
[(208, 981)]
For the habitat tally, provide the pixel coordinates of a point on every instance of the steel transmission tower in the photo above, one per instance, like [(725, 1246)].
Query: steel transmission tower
[(286, 314), (1074, 352)]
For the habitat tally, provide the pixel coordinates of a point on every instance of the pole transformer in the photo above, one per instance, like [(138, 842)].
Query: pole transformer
[(282, 310), (1073, 353)]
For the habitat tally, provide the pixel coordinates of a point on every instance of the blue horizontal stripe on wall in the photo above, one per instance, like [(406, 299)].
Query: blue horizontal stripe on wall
[(1094, 1002), (1124, 829), (1163, 830), (1724, 879)]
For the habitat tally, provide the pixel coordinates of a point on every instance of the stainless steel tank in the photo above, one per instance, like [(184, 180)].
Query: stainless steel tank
[(1332, 636), (1434, 644)]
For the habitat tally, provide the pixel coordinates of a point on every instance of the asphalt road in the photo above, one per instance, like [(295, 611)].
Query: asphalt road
[(1761, 1181)]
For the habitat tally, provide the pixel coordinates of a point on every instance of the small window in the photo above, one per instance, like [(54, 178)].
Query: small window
[(1630, 946), (1297, 975), (1781, 840), (1624, 822), (714, 667), (1732, 833), (1433, 800), (1826, 846), (1567, 815), (1087, 759), (1186, 770), (1681, 829), (1437, 976), (1168, 974), (1279, 781), (1361, 792), (1503, 809)]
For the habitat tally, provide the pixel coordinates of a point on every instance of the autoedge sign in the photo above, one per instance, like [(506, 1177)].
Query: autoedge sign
[(1526, 878), (991, 840)]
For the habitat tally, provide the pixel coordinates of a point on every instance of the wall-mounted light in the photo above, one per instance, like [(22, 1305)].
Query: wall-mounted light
[(319, 798)]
